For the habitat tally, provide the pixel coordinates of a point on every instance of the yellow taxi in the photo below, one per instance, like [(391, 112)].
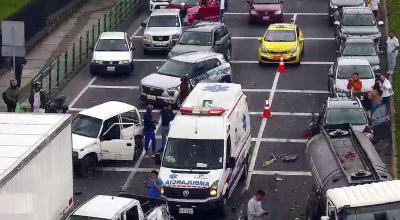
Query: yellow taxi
[(284, 40)]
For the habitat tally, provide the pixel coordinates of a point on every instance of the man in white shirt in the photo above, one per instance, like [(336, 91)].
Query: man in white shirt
[(387, 91), (222, 8), (375, 7), (254, 207), (392, 51)]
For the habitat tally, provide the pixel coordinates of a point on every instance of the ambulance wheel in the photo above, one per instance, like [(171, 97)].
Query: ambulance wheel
[(138, 147), (223, 207), (87, 166)]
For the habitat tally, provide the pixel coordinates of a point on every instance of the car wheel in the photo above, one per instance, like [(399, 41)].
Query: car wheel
[(228, 55), (87, 166), (138, 147)]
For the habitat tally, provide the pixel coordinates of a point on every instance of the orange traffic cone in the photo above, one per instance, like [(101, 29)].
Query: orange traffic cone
[(267, 110), (281, 67)]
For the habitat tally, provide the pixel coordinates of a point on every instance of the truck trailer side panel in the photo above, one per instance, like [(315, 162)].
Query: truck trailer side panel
[(38, 185)]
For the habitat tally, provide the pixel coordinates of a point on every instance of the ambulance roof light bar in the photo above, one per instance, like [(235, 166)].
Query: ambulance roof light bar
[(202, 111)]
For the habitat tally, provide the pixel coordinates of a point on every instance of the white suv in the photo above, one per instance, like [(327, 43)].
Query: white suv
[(110, 131), (113, 53)]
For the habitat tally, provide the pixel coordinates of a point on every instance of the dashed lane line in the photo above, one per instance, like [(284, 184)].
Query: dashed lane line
[(82, 92)]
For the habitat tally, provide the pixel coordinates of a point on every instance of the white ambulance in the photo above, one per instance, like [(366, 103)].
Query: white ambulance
[(207, 150)]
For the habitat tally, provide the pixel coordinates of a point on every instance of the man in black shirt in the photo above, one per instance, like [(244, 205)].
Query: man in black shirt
[(167, 115)]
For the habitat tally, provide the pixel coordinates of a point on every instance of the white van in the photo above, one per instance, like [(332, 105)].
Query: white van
[(109, 131), (207, 150)]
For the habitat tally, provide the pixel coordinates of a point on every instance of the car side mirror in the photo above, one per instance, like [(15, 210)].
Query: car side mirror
[(380, 23), (231, 163), (281, 1), (259, 39), (143, 24), (336, 23), (248, 1)]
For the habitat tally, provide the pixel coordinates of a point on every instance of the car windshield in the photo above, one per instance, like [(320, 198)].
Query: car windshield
[(86, 126), (345, 71), (193, 154), (354, 116), (163, 21), (112, 45), (177, 68), (195, 38), (358, 20), (389, 211), (78, 217), (187, 2), (280, 36), (359, 49), (266, 1)]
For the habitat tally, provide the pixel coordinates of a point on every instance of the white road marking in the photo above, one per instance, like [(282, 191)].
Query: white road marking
[(279, 140), (261, 131), (282, 173), (113, 87), (306, 38), (288, 13), (294, 18), (287, 91), (134, 33), (242, 61), (82, 92)]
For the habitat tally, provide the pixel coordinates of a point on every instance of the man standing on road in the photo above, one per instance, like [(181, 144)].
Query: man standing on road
[(254, 207), (184, 90), (154, 185), (166, 117), (37, 99), (387, 91), (11, 96), (222, 8), (392, 51), (149, 131)]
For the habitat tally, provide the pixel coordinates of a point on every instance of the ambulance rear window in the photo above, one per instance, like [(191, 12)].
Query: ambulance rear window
[(193, 154)]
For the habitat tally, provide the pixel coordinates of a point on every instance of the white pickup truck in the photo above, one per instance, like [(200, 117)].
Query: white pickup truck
[(123, 207)]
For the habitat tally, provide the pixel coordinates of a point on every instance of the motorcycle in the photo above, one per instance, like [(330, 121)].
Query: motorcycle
[(312, 128), (57, 105)]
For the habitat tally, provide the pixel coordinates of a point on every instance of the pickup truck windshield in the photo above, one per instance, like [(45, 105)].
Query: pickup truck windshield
[(86, 126), (77, 217), (354, 116), (376, 212), (193, 154)]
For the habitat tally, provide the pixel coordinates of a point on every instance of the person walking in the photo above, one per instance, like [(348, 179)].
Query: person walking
[(374, 5), (19, 62), (154, 185), (184, 90), (167, 115), (386, 88), (392, 44), (149, 131), (11, 96), (254, 207), (37, 99), (223, 6)]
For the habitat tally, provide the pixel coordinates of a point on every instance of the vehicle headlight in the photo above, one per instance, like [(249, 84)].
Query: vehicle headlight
[(98, 61), (376, 67), (278, 12), (333, 6), (293, 49), (175, 36), (214, 189), (124, 62), (162, 190), (263, 49), (172, 91), (146, 37)]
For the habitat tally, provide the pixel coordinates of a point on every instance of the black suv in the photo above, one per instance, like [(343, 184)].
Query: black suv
[(205, 36)]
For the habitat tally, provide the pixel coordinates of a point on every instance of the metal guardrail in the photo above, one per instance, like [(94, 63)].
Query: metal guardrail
[(56, 75)]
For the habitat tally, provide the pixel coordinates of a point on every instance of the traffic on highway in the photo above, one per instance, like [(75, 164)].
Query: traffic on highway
[(215, 109)]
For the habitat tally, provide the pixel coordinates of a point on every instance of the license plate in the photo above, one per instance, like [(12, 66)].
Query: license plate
[(186, 211), (160, 43), (276, 57), (151, 97), (111, 68), (266, 17)]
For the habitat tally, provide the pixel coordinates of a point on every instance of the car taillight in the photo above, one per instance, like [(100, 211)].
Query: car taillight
[(202, 111)]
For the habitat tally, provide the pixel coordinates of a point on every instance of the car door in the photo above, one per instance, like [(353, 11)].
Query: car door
[(300, 38), (209, 10), (113, 145), (218, 41)]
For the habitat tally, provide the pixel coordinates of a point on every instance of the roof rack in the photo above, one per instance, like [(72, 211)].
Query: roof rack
[(350, 154)]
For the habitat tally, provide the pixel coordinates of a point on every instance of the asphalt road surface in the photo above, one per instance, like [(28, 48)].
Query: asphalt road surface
[(294, 94)]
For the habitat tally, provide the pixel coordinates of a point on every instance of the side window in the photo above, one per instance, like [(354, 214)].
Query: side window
[(213, 63), (114, 132), (132, 214), (200, 68), (298, 32), (129, 117)]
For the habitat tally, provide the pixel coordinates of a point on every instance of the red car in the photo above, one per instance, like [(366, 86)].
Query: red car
[(265, 11), (206, 10)]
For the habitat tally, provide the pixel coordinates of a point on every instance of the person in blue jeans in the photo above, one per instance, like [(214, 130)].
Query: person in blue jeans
[(154, 185), (167, 115), (149, 131)]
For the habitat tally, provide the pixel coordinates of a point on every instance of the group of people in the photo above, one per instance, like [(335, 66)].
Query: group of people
[(37, 99)]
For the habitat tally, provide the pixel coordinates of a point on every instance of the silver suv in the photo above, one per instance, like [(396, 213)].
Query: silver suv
[(163, 86), (162, 30)]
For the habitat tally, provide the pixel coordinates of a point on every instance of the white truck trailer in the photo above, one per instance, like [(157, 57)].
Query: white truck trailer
[(36, 181)]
